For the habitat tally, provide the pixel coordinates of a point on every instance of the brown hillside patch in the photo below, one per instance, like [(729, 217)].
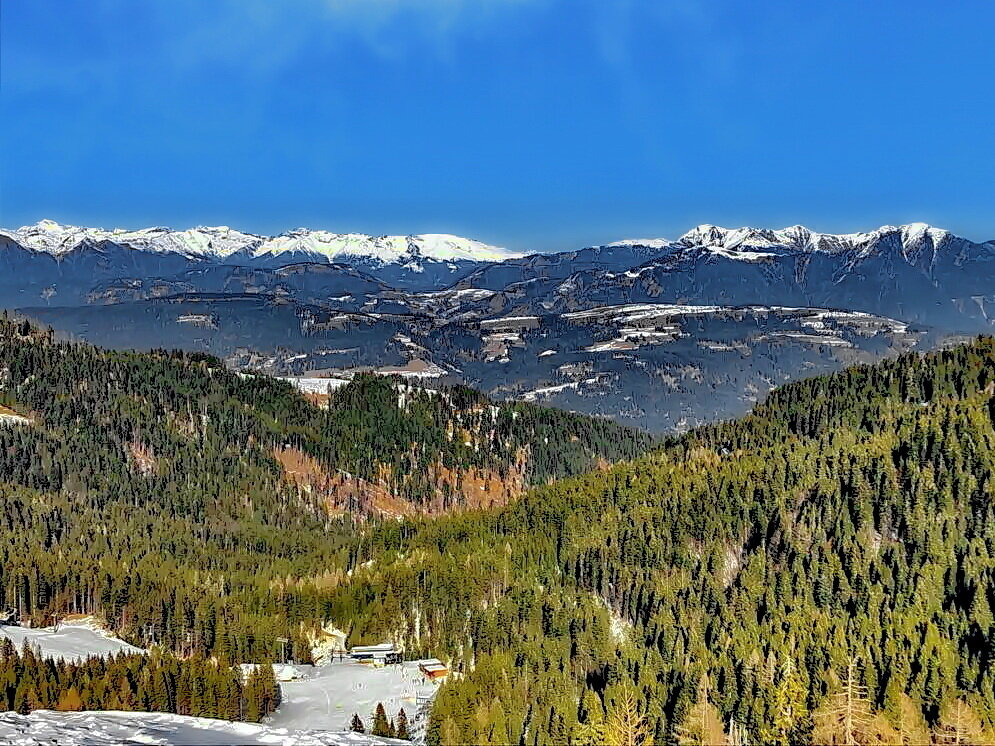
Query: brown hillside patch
[(143, 459), (300, 468), (319, 400), (452, 489), (9, 415), (340, 491), (476, 488)]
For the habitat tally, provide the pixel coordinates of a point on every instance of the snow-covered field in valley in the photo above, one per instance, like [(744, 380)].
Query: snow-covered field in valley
[(331, 693), (317, 707), (74, 640), (106, 728)]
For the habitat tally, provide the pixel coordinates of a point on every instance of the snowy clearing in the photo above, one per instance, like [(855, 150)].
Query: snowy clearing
[(74, 640), (9, 417), (334, 691), (101, 728), (315, 385)]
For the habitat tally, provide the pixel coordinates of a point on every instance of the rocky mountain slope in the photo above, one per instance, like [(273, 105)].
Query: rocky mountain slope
[(915, 272)]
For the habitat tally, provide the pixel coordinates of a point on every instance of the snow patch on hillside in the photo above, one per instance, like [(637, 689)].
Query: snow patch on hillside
[(315, 385), (327, 696), (73, 640)]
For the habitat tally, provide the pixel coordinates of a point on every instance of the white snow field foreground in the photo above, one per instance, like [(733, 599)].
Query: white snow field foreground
[(102, 728), (317, 706), (327, 696), (74, 640)]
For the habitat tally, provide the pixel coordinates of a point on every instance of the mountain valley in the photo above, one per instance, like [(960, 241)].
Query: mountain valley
[(734, 582)]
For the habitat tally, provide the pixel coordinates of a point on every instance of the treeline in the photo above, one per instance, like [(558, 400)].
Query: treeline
[(382, 725), (156, 682)]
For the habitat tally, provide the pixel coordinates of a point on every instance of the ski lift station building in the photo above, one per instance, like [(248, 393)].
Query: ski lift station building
[(385, 652)]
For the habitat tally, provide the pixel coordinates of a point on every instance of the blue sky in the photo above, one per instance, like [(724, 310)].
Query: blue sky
[(539, 124)]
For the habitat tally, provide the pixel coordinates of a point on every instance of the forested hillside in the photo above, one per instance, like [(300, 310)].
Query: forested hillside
[(454, 446), (156, 490), (820, 571)]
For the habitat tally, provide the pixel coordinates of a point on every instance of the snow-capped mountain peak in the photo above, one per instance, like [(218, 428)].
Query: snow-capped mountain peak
[(382, 249), (762, 244), (303, 244), (915, 233), (55, 238), (798, 237)]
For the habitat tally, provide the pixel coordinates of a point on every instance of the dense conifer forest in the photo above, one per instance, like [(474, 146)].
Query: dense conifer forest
[(820, 571), (155, 683)]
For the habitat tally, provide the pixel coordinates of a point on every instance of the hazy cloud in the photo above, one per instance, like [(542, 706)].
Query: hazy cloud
[(264, 34)]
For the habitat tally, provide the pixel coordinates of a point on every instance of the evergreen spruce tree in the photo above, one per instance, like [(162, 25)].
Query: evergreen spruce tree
[(380, 725), (402, 731)]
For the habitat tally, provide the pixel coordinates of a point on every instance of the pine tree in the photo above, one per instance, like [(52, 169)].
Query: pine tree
[(380, 725), (909, 722), (22, 699), (590, 731), (357, 725), (70, 701), (402, 726), (788, 706), (625, 726)]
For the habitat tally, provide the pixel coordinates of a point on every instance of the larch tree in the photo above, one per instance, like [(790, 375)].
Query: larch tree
[(959, 725), (703, 724)]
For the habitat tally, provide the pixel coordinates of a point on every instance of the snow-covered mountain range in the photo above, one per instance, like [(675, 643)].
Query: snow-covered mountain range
[(435, 254), (756, 306)]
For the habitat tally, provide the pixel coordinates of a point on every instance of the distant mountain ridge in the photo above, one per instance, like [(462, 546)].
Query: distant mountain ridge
[(914, 272), (659, 333), (432, 254), (223, 241)]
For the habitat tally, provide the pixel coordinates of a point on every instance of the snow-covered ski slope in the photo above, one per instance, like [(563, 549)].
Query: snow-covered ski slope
[(318, 703), (327, 696), (106, 728)]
